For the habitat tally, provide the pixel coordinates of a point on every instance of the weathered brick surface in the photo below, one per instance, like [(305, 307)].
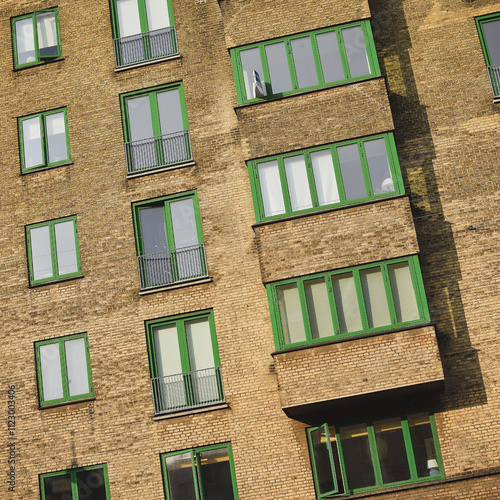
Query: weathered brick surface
[(437, 100), (351, 368)]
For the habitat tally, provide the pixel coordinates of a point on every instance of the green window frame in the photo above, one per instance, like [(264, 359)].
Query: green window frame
[(327, 176), (169, 240), (63, 369), (488, 28), (155, 128), (306, 61), (44, 140), (53, 250), (76, 484), (200, 473), (143, 30), (374, 454), (347, 302), (184, 362), (36, 38)]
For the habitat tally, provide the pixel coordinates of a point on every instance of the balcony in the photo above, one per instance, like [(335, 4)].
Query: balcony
[(145, 47), (172, 266), (185, 391), (159, 151), (494, 74)]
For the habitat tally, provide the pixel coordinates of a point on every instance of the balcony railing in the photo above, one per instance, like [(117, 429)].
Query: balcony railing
[(145, 46), (159, 151), (187, 390), (494, 74), (172, 266)]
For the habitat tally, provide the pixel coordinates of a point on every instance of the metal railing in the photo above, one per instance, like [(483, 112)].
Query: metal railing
[(158, 151), (145, 46), (187, 390), (494, 74), (171, 266)]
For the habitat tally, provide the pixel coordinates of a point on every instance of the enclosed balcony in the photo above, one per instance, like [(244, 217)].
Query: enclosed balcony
[(144, 47), (185, 391)]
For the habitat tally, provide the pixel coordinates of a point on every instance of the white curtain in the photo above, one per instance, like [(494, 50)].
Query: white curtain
[(324, 177), (270, 188), (403, 292), (318, 306), (51, 372), (298, 184), (76, 363)]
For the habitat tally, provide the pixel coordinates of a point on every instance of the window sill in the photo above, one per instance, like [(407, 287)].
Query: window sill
[(161, 169), (176, 414), (350, 338), (62, 280), (146, 63), (304, 92), (66, 403), (178, 284), (40, 169), (37, 64), (327, 210)]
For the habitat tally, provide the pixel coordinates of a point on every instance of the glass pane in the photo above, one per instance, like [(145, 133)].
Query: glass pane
[(128, 17), (322, 461), (154, 236), (157, 13), (57, 487), (292, 322), (56, 137), (76, 367), (377, 308), (298, 184), (184, 223), (50, 364), (324, 177), (318, 306), (91, 485), (403, 292), (169, 109), (47, 34), (355, 47), (391, 450), (378, 166), (250, 62), (40, 253), (25, 41), (32, 142), (491, 31), (169, 390), (357, 456), (352, 172), (66, 247), (422, 442), (329, 55), (215, 475), (303, 57), (270, 188), (180, 478), (346, 301), (278, 68), (139, 114)]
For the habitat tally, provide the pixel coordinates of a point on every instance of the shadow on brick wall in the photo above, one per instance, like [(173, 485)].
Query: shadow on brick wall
[(464, 385)]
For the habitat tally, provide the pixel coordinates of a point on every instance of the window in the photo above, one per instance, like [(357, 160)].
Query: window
[(63, 368), (185, 367), (202, 473), (373, 297), (35, 38), (43, 140), (156, 129), (53, 250), (326, 176), (169, 240), (373, 455), (307, 61), (143, 30), (489, 34), (87, 483)]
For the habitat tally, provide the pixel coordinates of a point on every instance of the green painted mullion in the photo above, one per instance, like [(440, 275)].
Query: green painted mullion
[(258, 204), (265, 69), (370, 48), (333, 304), (197, 217), (64, 368), (35, 35), (343, 54), (185, 123), (291, 64), (365, 169), (155, 117), (183, 346), (394, 166), (338, 173), (213, 337), (143, 16), (341, 459), (305, 313), (311, 180), (53, 251), (418, 287), (374, 454), (409, 448), (317, 59), (74, 485), (195, 464), (388, 293), (284, 185)]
